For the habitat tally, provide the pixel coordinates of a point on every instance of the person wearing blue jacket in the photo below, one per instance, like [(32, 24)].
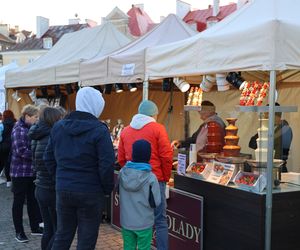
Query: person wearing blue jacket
[(80, 156), (139, 195)]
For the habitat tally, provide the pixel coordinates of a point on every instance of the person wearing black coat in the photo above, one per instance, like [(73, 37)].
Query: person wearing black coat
[(5, 145), (80, 156), (45, 184)]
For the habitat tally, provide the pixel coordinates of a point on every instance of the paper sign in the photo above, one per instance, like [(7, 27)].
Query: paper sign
[(128, 69), (181, 163), (221, 173)]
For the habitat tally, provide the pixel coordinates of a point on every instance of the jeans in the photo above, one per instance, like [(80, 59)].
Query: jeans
[(81, 211), (23, 187), (46, 200), (161, 225)]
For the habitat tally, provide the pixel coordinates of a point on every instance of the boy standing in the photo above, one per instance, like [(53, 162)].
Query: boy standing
[(139, 195)]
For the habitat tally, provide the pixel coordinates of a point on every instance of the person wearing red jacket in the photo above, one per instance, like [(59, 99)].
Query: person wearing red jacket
[(144, 126)]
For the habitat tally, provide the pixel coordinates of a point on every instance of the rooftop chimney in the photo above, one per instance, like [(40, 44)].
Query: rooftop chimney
[(42, 25), (182, 8), (216, 7), (4, 29)]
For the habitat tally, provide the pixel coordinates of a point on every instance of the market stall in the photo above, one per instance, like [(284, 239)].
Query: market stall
[(257, 46)]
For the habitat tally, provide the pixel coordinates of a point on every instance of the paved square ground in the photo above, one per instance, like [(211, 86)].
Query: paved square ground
[(109, 238)]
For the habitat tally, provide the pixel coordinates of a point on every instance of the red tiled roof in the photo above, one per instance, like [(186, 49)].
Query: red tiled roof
[(139, 21), (55, 32), (200, 16)]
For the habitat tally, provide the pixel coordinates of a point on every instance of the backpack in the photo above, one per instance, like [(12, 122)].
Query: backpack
[(1, 131)]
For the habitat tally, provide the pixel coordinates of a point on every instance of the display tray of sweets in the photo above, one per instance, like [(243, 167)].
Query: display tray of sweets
[(198, 170), (250, 181)]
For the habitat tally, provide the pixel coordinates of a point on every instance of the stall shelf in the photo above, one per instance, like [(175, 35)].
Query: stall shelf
[(235, 219), (260, 109)]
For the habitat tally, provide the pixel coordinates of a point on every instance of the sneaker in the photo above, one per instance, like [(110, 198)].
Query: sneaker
[(21, 237), (38, 231)]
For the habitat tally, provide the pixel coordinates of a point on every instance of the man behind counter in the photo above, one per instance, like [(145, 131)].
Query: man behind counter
[(283, 136), (207, 114)]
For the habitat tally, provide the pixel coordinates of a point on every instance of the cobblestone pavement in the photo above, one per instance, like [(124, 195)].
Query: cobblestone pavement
[(109, 238)]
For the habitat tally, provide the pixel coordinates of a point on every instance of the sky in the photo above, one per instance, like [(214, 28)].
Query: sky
[(24, 12)]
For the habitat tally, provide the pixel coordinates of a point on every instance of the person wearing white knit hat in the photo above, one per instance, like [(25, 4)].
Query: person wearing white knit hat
[(80, 156)]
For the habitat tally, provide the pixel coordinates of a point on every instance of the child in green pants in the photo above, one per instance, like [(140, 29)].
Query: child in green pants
[(139, 195)]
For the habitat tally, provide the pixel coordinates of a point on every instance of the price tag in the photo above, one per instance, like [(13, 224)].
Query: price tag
[(181, 164)]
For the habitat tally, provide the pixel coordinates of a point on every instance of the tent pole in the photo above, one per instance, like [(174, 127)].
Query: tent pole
[(268, 222), (145, 90)]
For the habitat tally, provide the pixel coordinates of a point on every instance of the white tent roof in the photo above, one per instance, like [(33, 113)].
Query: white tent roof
[(61, 63), (3, 70), (262, 35), (111, 69)]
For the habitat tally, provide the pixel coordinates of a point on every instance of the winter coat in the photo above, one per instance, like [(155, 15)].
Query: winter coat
[(21, 155), (135, 180), (145, 127), (5, 145), (39, 134), (80, 153)]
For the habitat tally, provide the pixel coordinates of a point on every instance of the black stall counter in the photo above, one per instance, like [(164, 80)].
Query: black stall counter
[(234, 219)]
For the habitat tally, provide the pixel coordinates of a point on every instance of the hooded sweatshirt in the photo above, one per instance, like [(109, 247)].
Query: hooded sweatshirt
[(145, 127), (80, 152), (135, 180)]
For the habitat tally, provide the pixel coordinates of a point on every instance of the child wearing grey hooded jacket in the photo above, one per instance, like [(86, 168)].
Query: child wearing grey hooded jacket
[(139, 195)]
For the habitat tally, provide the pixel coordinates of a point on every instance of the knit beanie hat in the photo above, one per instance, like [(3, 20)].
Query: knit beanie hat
[(148, 108), (141, 151), (90, 100)]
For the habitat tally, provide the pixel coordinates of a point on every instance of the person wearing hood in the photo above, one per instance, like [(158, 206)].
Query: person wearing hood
[(80, 156), (139, 195), (144, 126), (45, 185), (207, 114)]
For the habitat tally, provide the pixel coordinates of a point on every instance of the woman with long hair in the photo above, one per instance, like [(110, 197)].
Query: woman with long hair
[(45, 184)]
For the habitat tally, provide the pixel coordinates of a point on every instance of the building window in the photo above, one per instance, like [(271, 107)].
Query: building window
[(30, 60), (47, 43)]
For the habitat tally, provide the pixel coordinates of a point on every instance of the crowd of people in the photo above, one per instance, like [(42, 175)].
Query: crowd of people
[(62, 165)]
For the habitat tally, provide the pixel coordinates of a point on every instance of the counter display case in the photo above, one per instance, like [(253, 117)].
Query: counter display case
[(235, 219)]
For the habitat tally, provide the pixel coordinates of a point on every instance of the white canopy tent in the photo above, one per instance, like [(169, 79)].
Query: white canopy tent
[(61, 64), (261, 36), (3, 70), (117, 67)]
